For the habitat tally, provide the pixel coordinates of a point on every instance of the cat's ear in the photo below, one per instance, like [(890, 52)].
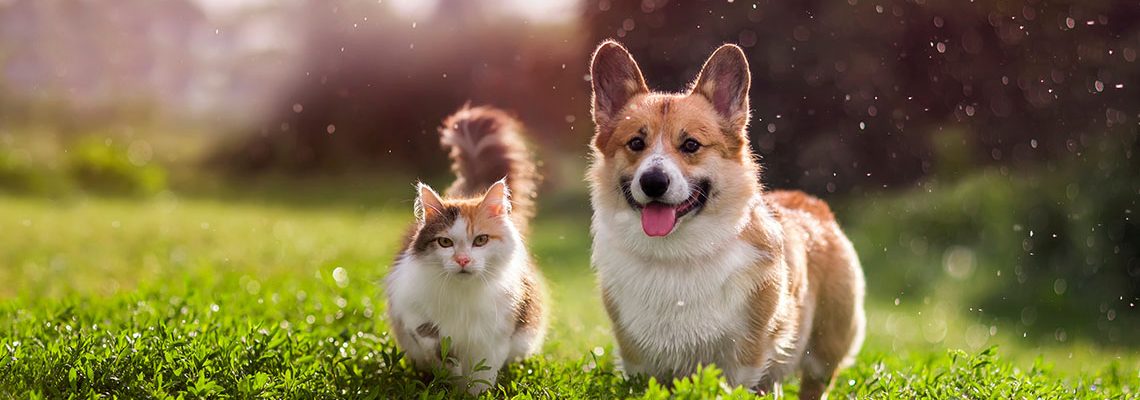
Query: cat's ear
[(497, 200), (428, 203)]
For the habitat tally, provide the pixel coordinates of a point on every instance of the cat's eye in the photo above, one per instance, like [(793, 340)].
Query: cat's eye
[(444, 242), (636, 144), (481, 240), (690, 146)]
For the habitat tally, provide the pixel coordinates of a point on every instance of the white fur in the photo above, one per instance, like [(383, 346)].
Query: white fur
[(475, 310), (684, 298), (679, 189), (679, 313)]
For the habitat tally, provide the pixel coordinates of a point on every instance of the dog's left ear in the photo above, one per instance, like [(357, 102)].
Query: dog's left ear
[(724, 82)]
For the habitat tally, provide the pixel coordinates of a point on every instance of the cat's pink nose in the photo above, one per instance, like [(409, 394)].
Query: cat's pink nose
[(462, 261)]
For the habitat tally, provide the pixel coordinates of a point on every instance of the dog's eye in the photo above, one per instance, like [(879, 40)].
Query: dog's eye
[(444, 242), (481, 240), (636, 144), (690, 146)]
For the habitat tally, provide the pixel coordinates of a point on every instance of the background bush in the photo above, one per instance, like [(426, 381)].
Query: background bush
[(106, 168), (93, 166), (1052, 251)]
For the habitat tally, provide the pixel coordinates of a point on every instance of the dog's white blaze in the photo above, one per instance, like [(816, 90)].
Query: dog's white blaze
[(678, 190)]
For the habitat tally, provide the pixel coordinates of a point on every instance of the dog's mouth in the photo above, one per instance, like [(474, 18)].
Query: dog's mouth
[(659, 219)]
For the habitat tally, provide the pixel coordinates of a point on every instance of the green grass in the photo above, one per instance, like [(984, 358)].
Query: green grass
[(273, 294)]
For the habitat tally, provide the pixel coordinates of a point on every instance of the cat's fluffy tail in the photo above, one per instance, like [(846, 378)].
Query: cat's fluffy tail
[(485, 144)]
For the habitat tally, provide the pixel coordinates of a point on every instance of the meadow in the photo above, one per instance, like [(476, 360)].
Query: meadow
[(200, 198), (270, 290)]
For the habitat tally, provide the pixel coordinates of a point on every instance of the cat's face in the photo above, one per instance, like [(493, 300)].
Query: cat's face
[(465, 238)]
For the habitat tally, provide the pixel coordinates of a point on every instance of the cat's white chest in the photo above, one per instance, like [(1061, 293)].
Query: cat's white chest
[(471, 313)]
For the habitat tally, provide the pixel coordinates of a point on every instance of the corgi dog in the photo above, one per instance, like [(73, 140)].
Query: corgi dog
[(696, 262), (465, 273)]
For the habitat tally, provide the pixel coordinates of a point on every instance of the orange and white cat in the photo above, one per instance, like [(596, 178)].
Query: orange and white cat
[(697, 263), (465, 273)]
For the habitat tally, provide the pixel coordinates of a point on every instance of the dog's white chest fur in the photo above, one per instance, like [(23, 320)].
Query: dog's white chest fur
[(678, 312)]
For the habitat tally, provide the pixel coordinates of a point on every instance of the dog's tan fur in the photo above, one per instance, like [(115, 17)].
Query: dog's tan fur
[(807, 280)]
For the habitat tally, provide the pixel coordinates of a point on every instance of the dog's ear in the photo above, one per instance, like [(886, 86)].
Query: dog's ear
[(616, 79), (724, 81)]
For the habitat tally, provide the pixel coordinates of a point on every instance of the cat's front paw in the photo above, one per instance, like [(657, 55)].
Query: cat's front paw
[(427, 336)]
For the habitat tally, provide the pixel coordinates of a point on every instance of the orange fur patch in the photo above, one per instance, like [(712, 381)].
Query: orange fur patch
[(797, 200)]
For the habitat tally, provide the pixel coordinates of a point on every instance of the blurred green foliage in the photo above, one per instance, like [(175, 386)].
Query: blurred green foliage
[(98, 166), (1053, 250), (107, 168), (17, 174)]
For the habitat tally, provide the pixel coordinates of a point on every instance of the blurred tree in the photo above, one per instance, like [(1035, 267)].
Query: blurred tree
[(375, 85), (80, 65)]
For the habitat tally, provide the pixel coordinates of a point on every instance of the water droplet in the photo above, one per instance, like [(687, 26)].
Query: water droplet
[(340, 275)]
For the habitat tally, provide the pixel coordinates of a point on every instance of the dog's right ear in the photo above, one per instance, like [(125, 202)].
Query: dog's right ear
[(724, 82), (616, 79)]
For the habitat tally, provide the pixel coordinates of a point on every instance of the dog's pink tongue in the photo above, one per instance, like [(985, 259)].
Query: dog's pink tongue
[(658, 219)]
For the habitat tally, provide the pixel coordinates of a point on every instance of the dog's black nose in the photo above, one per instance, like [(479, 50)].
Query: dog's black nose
[(654, 183)]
